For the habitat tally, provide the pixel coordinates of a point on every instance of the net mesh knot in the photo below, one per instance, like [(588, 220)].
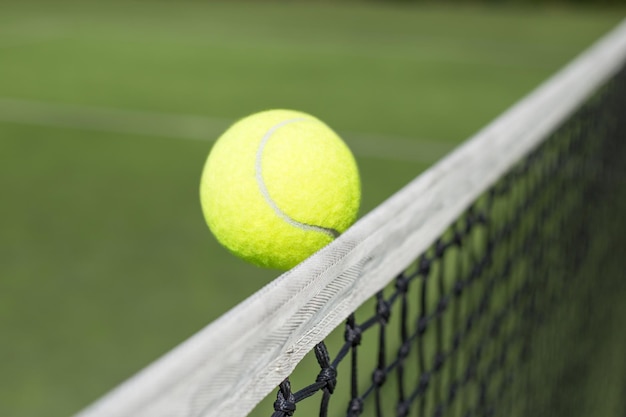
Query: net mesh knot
[(403, 409), (424, 266), (454, 386), (440, 248), (355, 408), (328, 376), (456, 341), (353, 333), (383, 310), (470, 219), (476, 271), (422, 323), (457, 239), (404, 350), (379, 377), (458, 287), (442, 305), (285, 404), (439, 360), (402, 284)]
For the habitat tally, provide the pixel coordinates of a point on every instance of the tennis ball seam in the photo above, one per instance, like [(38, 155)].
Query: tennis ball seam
[(265, 192)]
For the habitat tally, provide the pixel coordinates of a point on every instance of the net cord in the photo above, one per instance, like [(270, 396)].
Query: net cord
[(229, 366)]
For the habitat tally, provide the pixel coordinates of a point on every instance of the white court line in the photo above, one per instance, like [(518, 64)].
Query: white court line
[(104, 119), (16, 43), (193, 127)]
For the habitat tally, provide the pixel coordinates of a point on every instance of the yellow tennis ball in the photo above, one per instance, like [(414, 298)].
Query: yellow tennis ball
[(278, 186)]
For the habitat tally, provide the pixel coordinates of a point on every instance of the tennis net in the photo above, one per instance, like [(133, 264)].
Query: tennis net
[(491, 285)]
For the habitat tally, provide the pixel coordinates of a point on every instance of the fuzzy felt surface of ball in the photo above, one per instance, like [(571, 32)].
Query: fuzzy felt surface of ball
[(278, 186)]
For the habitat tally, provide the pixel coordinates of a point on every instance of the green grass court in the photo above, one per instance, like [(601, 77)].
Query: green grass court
[(108, 111)]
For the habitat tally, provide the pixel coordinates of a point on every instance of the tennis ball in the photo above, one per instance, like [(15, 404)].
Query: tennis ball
[(278, 186)]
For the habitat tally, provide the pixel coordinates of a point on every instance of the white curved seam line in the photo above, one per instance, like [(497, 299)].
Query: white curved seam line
[(264, 191)]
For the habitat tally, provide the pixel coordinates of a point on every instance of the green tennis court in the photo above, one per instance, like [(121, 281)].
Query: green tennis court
[(107, 113)]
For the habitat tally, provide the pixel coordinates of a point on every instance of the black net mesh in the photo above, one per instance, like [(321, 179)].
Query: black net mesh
[(517, 310)]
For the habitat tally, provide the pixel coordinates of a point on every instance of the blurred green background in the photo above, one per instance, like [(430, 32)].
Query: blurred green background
[(109, 109)]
